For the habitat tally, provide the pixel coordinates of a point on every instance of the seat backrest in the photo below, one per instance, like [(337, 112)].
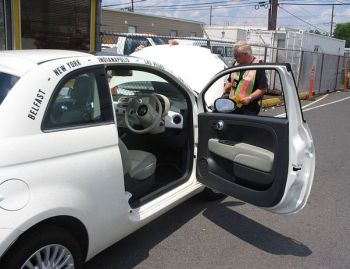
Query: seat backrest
[(124, 152), (82, 91), (81, 95)]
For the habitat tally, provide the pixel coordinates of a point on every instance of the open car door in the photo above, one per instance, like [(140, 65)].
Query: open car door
[(265, 161)]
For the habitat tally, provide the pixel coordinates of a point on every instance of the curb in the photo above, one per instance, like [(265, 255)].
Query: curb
[(271, 102), (277, 101)]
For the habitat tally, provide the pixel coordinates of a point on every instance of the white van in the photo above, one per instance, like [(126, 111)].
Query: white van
[(125, 44)]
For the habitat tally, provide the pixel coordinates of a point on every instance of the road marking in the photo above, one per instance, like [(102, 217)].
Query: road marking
[(341, 100), (323, 97)]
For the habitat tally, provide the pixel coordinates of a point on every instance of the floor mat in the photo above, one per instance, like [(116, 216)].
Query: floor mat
[(166, 173)]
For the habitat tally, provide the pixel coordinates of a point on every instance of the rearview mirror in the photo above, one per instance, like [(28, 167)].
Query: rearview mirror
[(119, 73), (224, 105)]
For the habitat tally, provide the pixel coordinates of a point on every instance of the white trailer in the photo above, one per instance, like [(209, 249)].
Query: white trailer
[(226, 33)]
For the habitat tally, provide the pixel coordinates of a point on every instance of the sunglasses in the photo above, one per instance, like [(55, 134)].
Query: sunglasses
[(236, 55)]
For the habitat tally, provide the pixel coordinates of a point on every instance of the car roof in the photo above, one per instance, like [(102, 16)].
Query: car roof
[(18, 62)]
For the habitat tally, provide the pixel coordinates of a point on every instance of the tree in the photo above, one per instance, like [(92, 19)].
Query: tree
[(342, 31)]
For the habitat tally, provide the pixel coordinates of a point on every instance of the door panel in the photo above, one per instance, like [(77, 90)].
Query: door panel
[(242, 153), (264, 160), (225, 156)]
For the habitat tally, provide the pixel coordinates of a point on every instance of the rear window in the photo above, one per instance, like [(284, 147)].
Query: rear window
[(158, 41), (131, 43), (7, 82)]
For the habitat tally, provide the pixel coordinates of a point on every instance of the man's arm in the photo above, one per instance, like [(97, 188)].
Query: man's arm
[(227, 88), (253, 96), (262, 86)]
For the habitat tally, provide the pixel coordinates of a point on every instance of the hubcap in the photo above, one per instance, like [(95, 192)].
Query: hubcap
[(50, 257)]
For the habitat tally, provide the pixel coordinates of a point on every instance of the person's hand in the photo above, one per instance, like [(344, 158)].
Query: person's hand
[(140, 47), (114, 90), (245, 100), (173, 42)]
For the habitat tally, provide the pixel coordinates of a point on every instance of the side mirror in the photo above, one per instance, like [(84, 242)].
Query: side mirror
[(224, 105)]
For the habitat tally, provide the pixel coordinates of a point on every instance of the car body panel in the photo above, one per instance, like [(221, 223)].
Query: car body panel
[(69, 148), (195, 73), (21, 61), (76, 172)]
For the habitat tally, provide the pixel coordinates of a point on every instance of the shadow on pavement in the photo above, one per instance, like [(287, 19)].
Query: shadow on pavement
[(255, 233), (135, 248), (132, 250)]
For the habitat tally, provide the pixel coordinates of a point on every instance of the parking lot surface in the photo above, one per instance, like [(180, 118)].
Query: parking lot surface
[(231, 234)]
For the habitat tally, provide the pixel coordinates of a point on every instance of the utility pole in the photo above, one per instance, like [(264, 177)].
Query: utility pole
[(272, 15), (211, 14), (132, 5), (331, 32)]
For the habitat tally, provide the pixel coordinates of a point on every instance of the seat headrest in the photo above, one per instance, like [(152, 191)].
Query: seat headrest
[(82, 91)]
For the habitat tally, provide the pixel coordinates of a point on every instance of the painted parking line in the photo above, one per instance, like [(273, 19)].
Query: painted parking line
[(331, 103), (311, 108), (323, 97)]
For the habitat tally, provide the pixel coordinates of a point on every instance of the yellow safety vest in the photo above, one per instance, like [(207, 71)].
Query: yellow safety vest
[(245, 84)]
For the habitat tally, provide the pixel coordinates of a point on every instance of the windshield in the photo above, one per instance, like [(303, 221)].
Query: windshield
[(158, 41), (7, 81)]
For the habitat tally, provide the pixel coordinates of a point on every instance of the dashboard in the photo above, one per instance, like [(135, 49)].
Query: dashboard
[(173, 110)]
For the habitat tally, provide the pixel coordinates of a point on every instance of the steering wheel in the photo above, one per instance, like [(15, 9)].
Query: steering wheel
[(144, 108)]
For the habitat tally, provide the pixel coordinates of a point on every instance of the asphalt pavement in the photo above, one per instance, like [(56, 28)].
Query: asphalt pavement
[(233, 234)]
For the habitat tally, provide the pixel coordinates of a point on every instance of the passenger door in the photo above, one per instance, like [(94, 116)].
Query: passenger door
[(265, 161)]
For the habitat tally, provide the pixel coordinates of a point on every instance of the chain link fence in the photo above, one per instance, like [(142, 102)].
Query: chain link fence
[(327, 71)]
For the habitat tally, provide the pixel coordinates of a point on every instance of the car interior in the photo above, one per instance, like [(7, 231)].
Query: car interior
[(76, 103), (154, 119)]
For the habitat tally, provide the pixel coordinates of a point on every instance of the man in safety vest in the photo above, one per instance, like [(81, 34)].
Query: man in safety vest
[(246, 88)]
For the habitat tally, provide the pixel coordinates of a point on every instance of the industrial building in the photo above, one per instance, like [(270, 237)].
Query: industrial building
[(113, 20)]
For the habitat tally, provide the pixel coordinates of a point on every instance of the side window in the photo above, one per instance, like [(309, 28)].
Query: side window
[(7, 82), (131, 43), (255, 92), (173, 33), (218, 50), (229, 51), (132, 89), (79, 101), (132, 29)]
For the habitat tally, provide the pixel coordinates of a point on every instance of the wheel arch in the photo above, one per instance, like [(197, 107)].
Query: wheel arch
[(71, 224)]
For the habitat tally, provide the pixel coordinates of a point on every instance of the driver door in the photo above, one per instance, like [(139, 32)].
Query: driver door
[(265, 161)]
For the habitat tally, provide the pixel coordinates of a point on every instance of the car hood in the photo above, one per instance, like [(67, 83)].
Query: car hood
[(194, 65)]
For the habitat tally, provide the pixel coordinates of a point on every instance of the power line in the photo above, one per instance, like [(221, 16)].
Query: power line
[(121, 4), (206, 4), (295, 16), (315, 4), (157, 8)]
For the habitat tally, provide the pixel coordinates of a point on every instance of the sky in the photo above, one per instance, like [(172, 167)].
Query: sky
[(291, 13)]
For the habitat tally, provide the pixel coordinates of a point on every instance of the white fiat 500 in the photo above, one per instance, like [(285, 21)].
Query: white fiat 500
[(94, 147)]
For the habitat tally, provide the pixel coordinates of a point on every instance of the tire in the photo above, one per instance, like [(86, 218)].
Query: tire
[(211, 195), (39, 241)]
